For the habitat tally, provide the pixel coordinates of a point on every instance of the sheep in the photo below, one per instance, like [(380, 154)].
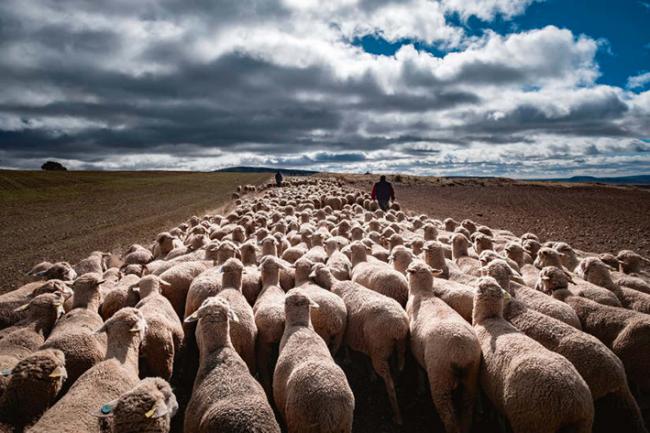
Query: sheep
[(445, 346), (596, 272), (631, 262), (338, 262), (26, 336), (39, 268), (34, 384), (598, 366), (514, 365), (137, 254), (515, 251), (164, 334), (58, 271), (165, 244), (92, 264), (310, 391), (148, 407), (501, 272), (119, 296), (269, 317), (568, 255), (377, 276), (625, 332), (225, 396), (180, 278), (330, 319), (243, 333), (581, 287), (74, 332), (105, 381), (251, 280), (401, 257), (377, 326), (317, 253), (11, 301), (468, 265), (434, 256)]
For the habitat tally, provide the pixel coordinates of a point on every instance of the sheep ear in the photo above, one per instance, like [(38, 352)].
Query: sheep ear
[(312, 274), (313, 305), (59, 371), (39, 274), (192, 317), (506, 296), (102, 328), (101, 282), (106, 410), (232, 316), (568, 275), (546, 278), (22, 308), (165, 284), (158, 410), (436, 272)]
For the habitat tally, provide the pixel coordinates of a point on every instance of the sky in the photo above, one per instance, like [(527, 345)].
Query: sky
[(517, 88)]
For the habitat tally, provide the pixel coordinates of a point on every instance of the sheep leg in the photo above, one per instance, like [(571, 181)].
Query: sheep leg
[(442, 384), (422, 381), (469, 390), (383, 370), (263, 365), (400, 348)]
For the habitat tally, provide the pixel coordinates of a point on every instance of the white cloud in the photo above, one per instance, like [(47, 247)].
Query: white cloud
[(638, 81), (487, 9), (149, 84)]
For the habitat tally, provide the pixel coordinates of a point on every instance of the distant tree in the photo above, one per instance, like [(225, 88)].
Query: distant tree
[(53, 166)]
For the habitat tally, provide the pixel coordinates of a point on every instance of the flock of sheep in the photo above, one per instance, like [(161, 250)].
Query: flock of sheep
[(246, 311)]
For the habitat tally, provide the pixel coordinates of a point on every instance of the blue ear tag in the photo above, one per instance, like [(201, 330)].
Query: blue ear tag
[(106, 409), (6, 372)]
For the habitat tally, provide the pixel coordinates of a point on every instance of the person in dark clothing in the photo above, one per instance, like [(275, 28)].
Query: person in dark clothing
[(382, 191), (278, 179)]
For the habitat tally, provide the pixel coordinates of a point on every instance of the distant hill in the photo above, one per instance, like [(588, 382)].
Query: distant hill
[(643, 179), (284, 171)]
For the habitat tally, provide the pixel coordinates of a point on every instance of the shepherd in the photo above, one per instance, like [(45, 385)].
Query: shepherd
[(383, 192), (278, 178)]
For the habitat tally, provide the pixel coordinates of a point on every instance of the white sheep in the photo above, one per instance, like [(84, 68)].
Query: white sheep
[(310, 391), (515, 365), (225, 396), (105, 381), (445, 346), (377, 276), (164, 335), (377, 326)]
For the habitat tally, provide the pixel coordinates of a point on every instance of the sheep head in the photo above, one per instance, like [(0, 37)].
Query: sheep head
[(149, 406), (488, 300)]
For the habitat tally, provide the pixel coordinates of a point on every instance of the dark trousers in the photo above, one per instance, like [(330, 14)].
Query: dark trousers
[(384, 204)]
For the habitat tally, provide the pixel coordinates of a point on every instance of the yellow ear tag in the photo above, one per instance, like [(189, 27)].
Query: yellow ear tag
[(151, 412)]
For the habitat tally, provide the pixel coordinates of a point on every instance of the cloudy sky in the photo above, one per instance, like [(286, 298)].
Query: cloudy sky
[(521, 88)]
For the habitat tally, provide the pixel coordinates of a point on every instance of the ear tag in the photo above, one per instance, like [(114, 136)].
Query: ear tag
[(150, 413), (106, 409), (6, 372)]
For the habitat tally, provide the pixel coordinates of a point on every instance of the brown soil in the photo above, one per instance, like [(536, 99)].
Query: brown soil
[(590, 217), (66, 215)]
